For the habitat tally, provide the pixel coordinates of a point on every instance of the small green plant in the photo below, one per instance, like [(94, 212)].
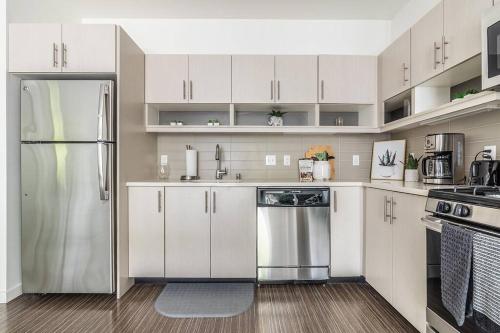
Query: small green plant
[(276, 113), (323, 156), (412, 162), (462, 94), (387, 159)]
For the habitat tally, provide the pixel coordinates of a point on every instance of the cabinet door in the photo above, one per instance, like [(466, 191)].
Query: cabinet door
[(378, 240), (462, 29), (296, 79), (166, 78), (210, 79), (347, 79), (409, 288), (88, 48), (395, 67), (187, 232), (346, 231), (426, 46), (146, 232), (252, 79), (234, 224), (34, 48)]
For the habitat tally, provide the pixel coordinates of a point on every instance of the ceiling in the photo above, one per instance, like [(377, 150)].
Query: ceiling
[(238, 9)]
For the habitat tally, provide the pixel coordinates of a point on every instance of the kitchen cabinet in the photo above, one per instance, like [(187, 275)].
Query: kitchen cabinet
[(426, 46), (146, 232), (253, 79), (71, 48), (395, 67), (347, 79), (34, 48), (296, 79), (210, 79), (166, 78), (233, 232), (187, 232), (88, 48), (346, 229), (462, 30), (395, 260), (378, 242)]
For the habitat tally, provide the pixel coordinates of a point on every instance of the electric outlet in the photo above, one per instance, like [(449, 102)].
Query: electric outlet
[(493, 153), (355, 160), (270, 160), (286, 160)]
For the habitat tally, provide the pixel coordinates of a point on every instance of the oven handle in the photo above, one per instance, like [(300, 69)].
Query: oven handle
[(432, 223)]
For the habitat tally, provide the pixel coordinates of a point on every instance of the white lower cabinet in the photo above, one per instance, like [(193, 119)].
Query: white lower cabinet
[(146, 230), (346, 230), (395, 251)]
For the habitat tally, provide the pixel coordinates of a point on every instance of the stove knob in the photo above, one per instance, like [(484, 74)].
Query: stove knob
[(443, 207), (461, 211)]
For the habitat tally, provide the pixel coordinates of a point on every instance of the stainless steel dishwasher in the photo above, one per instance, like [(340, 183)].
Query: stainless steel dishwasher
[(293, 227)]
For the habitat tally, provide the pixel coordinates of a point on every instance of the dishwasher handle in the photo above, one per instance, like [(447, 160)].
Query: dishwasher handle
[(293, 197)]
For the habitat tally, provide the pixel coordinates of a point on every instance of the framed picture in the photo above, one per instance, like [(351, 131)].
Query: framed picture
[(387, 160)]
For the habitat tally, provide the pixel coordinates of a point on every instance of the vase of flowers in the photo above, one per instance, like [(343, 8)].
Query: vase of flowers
[(275, 117)]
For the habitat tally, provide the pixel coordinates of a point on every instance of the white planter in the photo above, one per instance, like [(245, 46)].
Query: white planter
[(321, 170), (275, 121), (411, 175)]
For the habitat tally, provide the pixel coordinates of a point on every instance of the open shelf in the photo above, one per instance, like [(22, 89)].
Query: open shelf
[(398, 107), (341, 115), (257, 114)]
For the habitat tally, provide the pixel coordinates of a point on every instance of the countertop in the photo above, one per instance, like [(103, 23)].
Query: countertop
[(396, 186)]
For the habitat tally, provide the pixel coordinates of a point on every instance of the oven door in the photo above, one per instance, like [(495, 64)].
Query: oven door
[(491, 48), (438, 318)]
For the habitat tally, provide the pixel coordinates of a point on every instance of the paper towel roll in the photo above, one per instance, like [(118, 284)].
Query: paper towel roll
[(191, 163)]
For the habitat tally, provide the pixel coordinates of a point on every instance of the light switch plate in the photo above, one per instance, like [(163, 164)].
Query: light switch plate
[(286, 160), (355, 160), (493, 153), (270, 160)]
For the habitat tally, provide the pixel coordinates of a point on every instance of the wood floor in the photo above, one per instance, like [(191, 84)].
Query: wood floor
[(349, 307)]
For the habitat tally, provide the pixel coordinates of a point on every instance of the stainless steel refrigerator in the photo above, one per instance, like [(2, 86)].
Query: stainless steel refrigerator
[(67, 181)]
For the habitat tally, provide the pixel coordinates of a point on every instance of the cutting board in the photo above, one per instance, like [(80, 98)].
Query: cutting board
[(319, 149)]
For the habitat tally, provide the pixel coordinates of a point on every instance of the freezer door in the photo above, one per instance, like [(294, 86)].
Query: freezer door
[(67, 218), (67, 110)]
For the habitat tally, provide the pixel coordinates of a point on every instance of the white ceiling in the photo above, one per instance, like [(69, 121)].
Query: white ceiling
[(35, 10)]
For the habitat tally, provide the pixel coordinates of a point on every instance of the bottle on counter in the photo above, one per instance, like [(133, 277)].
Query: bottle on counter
[(163, 169)]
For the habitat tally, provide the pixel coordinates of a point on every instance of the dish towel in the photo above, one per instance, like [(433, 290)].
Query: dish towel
[(456, 257), (486, 279)]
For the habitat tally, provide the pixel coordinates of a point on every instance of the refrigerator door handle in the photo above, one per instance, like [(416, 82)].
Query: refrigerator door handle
[(102, 171), (104, 132)]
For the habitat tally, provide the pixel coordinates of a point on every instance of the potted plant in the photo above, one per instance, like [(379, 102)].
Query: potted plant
[(275, 117), (321, 168), (411, 168)]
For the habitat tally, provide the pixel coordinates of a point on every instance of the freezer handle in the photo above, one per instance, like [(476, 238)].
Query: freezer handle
[(104, 114), (103, 170)]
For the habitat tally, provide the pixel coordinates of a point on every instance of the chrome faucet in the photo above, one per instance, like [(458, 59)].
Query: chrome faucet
[(219, 172)]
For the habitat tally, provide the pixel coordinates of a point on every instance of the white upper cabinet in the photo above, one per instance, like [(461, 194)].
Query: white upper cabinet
[(34, 48), (462, 29), (253, 79), (166, 78), (426, 46), (72, 48), (395, 68), (347, 79), (210, 79), (296, 79), (88, 48)]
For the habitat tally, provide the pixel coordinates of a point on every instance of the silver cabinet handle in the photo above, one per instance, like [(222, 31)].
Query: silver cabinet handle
[(385, 208), (493, 3), (392, 210), (445, 57), (279, 90), (405, 68), (214, 203), (183, 89), (206, 201), (322, 89), (436, 49), (55, 55), (334, 201), (387, 213), (64, 55), (272, 90), (190, 89), (159, 201)]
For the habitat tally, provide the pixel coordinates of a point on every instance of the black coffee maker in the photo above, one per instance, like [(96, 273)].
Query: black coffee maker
[(484, 172)]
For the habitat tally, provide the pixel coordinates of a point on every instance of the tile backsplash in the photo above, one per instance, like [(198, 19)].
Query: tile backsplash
[(481, 129), (245, 154)]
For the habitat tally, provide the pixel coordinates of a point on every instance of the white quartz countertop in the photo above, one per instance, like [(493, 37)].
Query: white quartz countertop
[(396, 186)]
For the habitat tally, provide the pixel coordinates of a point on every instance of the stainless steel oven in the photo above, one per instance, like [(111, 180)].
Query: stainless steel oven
[(491, 48), (293, 228)]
